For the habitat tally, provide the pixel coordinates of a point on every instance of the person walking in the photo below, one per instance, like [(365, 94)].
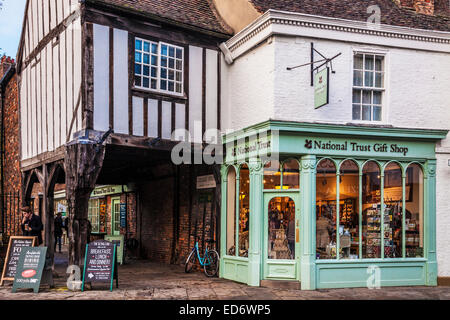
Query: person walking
[(32, 224), (58, 230)]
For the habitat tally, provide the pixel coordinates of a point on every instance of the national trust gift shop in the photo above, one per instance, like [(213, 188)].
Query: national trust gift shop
[(329, 206)]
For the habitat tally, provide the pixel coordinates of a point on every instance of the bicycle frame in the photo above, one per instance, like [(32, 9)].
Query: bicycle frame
[(200, 259)]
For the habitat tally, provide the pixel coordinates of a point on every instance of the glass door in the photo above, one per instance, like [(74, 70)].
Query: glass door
[(281, 235), (115, 216)]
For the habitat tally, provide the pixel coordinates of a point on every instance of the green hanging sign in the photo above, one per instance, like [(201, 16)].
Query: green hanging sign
[(321, 88)]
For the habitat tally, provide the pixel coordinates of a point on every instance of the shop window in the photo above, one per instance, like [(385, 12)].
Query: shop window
[(272, 175), (281, 237), (349, 209), (393, 212), (94, 214), (326, 210), (231, 211), (371, 206), (158, 67), (368, 86), (291, 175), (414, 236), (244, 210)]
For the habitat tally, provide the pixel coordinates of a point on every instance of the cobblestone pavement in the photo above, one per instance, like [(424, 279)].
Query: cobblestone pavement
[(141, 280)]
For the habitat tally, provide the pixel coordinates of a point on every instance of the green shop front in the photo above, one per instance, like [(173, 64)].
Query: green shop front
[(329, 206)]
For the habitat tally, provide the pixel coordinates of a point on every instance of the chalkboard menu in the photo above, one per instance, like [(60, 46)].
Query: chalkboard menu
[(100, 264), (12, 256), (30, 268)]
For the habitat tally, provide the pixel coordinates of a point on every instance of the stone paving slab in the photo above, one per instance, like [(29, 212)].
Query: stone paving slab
[(142, 280)]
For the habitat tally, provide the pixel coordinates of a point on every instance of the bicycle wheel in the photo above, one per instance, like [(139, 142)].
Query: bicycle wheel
[(211, 263), (189, 262)]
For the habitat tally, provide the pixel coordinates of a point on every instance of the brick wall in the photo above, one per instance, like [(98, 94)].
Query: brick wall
[(11, 159)]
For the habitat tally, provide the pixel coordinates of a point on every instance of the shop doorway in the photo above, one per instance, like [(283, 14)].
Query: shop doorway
[(281, 237), (115, 216)]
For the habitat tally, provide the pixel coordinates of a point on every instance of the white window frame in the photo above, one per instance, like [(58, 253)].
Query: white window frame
[(91, 208), (383, 89), (158, 67)]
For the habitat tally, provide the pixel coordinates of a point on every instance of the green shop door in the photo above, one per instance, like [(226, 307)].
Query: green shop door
[(115, 216), (281, 249)]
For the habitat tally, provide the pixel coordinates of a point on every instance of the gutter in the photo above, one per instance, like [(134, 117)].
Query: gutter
[(3, 82)]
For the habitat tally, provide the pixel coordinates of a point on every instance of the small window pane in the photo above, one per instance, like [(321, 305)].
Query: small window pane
[(272, 175), (358, 62), (379, 63), (179, 65), (163, 73), (146, 82), (178, 87), (179, 76), (366, 112), (171, 51), (368, 81), (154, 72), (138, 45), (164, 50), (163, 62), (172, 63), (171, 86), (146, 59), (138, 57), (367, 97), (137, 68), (356, 112), (376, 97), (154, 60), (163, 85), (179, 54), (146, 46), (377, 113), (291, 175), (379, 80), (146, 71), (369, 62), (154, 83), (154, 48), (137, 81), (356, 96), (357, 78), (171, 75)]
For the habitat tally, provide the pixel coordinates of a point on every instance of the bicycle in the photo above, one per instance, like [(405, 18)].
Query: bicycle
[(210, 260)]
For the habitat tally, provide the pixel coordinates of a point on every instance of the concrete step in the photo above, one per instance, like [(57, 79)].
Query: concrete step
[(281, 284)]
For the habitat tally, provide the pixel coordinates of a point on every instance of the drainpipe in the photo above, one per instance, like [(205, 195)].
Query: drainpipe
[(3, 82)]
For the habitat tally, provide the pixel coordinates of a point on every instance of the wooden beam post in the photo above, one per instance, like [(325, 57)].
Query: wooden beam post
[(83, 163)]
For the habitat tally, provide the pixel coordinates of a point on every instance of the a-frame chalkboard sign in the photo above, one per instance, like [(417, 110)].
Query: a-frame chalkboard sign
[(30, 269), (100, 264), (16, 243)]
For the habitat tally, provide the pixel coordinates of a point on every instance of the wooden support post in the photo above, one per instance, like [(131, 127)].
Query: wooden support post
[(83, 163), (47, 203)]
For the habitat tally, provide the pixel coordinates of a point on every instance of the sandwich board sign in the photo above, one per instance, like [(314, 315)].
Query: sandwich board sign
[(30, 268), (100, 264), (321, 88), (119, 242), (15, 246)]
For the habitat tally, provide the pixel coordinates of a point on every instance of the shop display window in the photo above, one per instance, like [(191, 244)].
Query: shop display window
[(393, 212), (349, 210), (326, 210), (414, 236), (371, 206), (231, 211), (244, 210), (93, 215), (291, 174), (281, 230), (272, 175)]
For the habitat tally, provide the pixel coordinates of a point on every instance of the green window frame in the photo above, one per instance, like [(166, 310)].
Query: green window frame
[(282, 171), (408, 251)]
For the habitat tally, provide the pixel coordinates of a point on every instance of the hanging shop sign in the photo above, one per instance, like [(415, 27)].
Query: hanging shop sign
[(321, 88), (30, 268), (206, 182), (15, 246), (119, 242), (123, 215), (100, 264)]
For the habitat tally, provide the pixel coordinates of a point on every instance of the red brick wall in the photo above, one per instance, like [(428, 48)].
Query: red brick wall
[(11, 160)]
